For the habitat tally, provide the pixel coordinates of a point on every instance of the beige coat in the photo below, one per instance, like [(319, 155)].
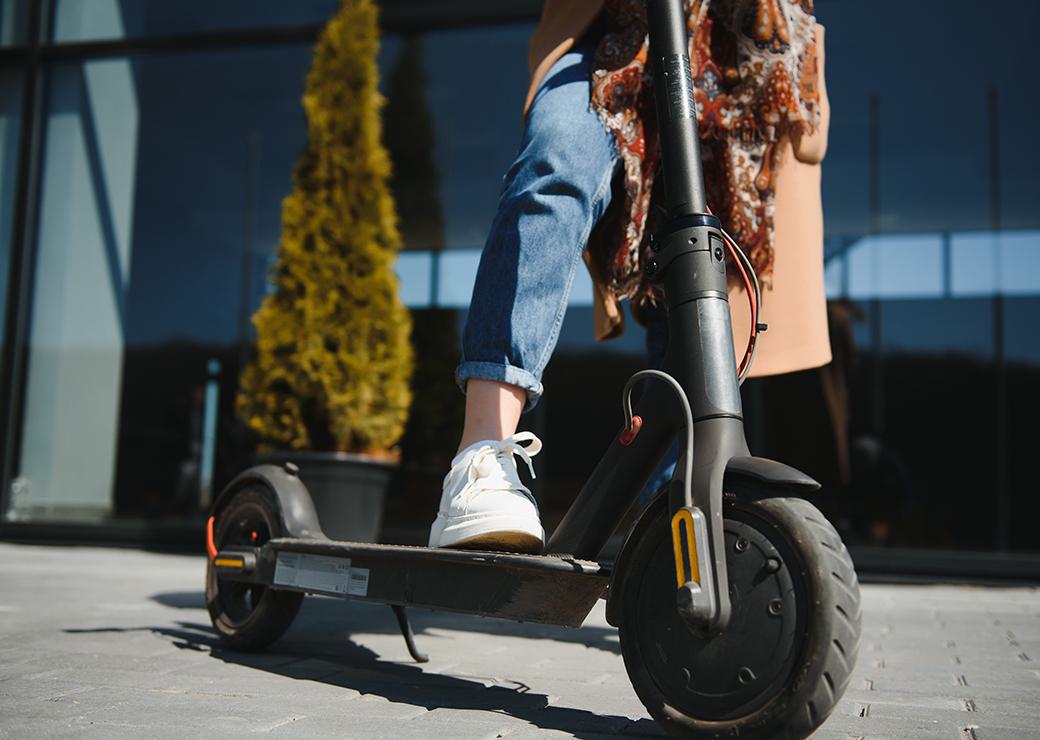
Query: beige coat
[(795, 308)]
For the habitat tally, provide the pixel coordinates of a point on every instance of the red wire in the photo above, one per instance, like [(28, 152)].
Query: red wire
[(749, 289)]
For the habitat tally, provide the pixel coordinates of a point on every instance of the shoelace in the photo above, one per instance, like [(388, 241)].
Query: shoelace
[(492, 466)]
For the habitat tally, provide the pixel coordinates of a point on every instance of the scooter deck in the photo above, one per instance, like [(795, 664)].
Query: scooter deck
[(536, 588)]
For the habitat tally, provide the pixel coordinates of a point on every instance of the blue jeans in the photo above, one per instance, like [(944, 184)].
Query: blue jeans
[(553, 194)]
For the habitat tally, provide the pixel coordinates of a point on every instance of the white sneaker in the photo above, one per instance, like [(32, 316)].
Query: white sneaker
[(484, 505)]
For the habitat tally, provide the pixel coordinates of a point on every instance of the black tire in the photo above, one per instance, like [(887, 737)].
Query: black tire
[(786, 659), (248, 616)]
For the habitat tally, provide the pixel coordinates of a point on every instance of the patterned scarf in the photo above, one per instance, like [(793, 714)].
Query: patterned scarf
[(753, 64)]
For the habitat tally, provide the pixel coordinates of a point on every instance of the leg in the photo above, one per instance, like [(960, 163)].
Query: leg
[(554, 193)]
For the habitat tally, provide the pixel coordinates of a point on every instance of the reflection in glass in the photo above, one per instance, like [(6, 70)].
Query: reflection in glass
[(476, 79), (89, 20), (79, 302), (930, 209), (14, 17), (159, 210), (160, 205)]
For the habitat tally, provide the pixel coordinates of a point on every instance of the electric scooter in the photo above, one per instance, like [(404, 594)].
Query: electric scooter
[(737, 604)]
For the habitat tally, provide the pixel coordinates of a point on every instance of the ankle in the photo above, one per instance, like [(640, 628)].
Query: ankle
[(472, 439), (492, 411)]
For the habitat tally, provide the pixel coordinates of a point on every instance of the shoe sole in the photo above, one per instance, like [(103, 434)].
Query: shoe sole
[(518, 542), (506, 534)]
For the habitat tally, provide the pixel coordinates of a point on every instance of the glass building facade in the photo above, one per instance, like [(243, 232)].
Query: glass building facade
[(145, 149)]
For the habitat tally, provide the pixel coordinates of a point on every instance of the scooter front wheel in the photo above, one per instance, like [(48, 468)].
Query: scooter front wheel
[(785, 659), (248, 616)]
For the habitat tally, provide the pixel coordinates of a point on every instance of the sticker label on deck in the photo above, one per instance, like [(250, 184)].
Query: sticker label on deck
[(319, 573), (358, 582)]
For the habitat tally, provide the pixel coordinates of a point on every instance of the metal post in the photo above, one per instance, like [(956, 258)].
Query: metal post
[(877, 358), (1000, 405), (246, 278), (13, 353)]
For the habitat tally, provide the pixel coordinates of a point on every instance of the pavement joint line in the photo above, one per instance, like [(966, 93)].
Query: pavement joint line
[(419, 712), (280, 723), (53, 673), (196, 692)]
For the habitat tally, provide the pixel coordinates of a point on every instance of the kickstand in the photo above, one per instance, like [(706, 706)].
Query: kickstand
[(406, 633)]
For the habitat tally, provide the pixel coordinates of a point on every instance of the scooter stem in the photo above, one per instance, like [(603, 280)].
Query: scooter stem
[(689, 263), (676, 109)]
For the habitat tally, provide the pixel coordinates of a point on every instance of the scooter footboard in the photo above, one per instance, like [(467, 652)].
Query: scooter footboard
[(548, 589)]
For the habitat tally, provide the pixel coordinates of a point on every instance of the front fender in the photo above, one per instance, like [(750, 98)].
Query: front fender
[(749, 478), (752, 478)]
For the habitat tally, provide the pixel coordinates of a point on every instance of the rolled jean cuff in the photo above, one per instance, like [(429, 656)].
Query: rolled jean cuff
[(502, 374)]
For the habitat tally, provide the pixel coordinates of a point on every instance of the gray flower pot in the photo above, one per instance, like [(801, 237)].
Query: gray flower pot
[(349, 491)]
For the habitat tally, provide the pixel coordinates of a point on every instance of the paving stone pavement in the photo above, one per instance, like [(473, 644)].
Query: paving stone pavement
[(113, 643)]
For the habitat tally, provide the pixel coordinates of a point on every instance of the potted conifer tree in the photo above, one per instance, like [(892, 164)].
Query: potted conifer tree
[(328, 387)]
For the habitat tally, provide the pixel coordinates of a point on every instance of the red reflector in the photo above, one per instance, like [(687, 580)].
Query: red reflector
[(628, 435), (211, 549)]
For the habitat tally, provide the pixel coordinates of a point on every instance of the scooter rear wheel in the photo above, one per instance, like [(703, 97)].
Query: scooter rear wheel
[(784, 661), (248, 616)]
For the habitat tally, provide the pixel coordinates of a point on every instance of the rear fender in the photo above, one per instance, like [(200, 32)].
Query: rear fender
[(299, 518)]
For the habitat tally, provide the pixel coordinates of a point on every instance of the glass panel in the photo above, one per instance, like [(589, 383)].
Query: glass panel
[(89, 20), (10, 125), (930, 316), (14, 19), (159, 212), (1022, 352), (160, 204), (165, 206), (452, 136)]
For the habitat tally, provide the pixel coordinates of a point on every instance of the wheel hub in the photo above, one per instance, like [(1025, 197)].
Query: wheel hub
[(721, 676), (245, 525)]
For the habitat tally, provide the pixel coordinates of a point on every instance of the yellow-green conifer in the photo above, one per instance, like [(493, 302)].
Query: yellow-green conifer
[(333, 355)]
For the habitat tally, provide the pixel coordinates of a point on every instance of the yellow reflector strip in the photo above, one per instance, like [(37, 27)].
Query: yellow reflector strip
[(229, 562), (683, 519)]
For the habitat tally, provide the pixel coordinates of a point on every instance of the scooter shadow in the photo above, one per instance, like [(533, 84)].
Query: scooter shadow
[(326, 614), (318, 647)]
